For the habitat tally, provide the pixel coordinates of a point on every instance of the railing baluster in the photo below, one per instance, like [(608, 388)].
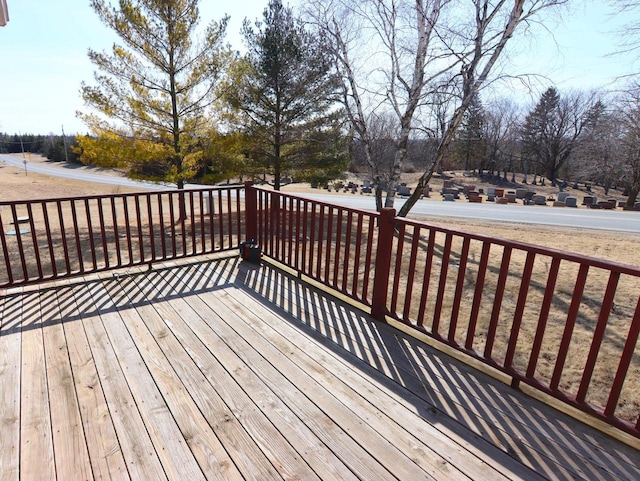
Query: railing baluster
[(525, 283), (296, 263), (336, 260), (229, 219), (497, 302), (444, 269), (203, 233), (116, 233), (477, 295), (415, 243), (63, 236), (76, 231), (92, 243), (367, 261), (347, 251), (34, 239), (328, 250), (136, 200), (572, 315), (161, 227), (183, 216), (544, 315), (393, 307), (462, 269), (305, 223), (47, 230), (290, 235), (356, 257), (172, 224), (426, 278), (103, 234), (320, 241), (152, 230), (211, 208), (192, 224), (312, 238), (238, 218), (598, 335), (23, 259)]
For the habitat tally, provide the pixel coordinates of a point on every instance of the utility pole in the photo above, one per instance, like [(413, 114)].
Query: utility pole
[(64, 142), (24, 159)]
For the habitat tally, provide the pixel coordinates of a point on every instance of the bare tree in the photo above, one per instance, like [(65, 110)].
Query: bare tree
[(629, 106), (501, 126), (423, 51), (598, 156), (629, 34), (552, 129)]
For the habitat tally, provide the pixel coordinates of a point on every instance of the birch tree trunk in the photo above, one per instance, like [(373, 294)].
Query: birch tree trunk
[(417, 52)]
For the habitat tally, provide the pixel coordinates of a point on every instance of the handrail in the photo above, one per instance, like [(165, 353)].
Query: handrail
[(53, 238), (563, 323)]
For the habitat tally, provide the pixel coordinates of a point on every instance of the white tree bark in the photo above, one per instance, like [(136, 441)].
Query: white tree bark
[(417, 52)]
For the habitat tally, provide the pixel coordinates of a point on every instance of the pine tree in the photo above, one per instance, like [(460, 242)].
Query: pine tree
[(158, 85), (470, 139), (286, 95)]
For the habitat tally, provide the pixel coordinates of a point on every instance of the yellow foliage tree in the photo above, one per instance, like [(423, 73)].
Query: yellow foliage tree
[(155, 90)]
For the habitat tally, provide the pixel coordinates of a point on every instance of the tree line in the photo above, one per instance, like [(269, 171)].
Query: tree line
[(316, 89), (577, 136), (54, 147)]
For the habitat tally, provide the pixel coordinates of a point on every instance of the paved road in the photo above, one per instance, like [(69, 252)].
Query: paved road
[(58, 169), (579, 218), (617, 220)]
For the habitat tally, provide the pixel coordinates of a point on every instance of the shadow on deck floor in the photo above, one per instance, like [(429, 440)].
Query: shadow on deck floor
[(305, 385)]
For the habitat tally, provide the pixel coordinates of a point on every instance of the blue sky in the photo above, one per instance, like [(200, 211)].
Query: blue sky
[(43, 56)]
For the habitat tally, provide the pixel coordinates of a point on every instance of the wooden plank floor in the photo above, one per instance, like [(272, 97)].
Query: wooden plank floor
[(218, 370)]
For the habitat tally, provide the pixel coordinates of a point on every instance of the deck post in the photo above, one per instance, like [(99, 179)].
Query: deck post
[(250, 211), (386, 223)]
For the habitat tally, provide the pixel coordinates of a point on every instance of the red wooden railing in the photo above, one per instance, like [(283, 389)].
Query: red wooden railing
[(565, 324), (53, 238)]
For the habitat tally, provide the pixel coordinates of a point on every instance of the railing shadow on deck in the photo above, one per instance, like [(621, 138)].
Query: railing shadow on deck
[(463, 404), (20, 306), (563, 324), (456, 399)]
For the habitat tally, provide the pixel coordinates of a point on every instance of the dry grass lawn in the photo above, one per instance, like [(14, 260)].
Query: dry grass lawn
[(614, 246)]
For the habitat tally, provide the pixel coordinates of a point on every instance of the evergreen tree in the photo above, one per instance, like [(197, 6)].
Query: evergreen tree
[(552, 130), (285, 96), (157, 86), (470, 139)]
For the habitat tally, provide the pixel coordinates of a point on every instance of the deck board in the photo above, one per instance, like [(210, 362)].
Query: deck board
[(36, 442), (10, 373), (530, 431), (107, 461), (220, 370), (260, 415), (71, 455)]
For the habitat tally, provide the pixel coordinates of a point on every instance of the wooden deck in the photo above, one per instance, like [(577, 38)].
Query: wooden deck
[(218, 370)]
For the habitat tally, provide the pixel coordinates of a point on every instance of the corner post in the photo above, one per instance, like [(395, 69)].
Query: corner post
[(250, 211), (386, 225)]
